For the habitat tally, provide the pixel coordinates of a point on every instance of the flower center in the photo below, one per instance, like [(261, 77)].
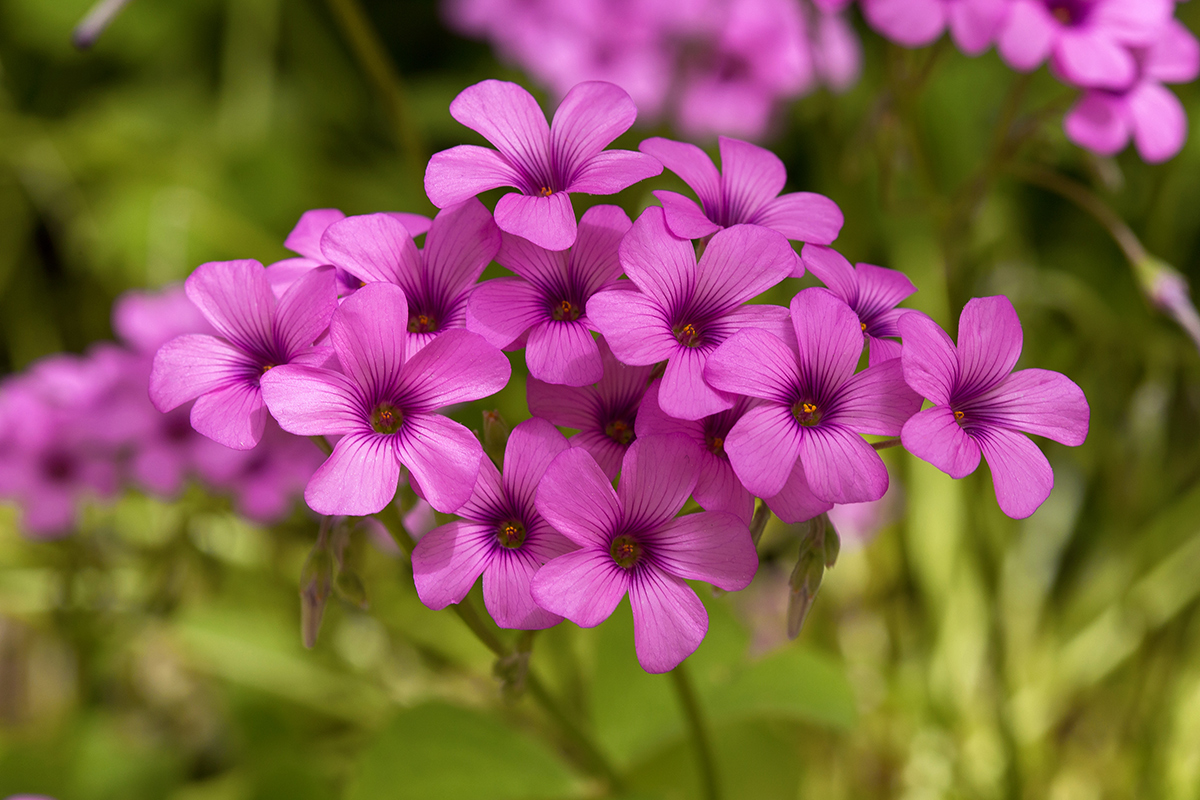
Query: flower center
[(806, 413), (565, 310), (619, 431), (58, 467), (716, 445), (626, 551), (687, 335), (863, 325), (386, 418), (958, 417), (1062, 14), (545, 191), (511, 534), (421, 323)]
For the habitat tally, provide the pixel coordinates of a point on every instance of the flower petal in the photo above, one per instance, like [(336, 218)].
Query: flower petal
[(762, 446), (449, 559), (989, 342), (305, 238), (691, 164), (796, 502), (934, 435), (750, 177), (1099, 123), (506, 592), (829, 337), (832, 269), (880, 290), (684, 218), (1021, 474), (584, 586), (719, 489), (563, 352), (508, 117), (195, 364), (659, 263), (368, 331), (754, 363), (633, 324), (532, 445), (684, 392), (1038, 401), (374, 248), (233, 416), (740, 263), (657, 477), (669, 621), (546, 269), (1159, 122), (612, 171), (462, 240), (929, 358), (595, 260), (236, 298), (304, 311), (802, 217), (576, 498), (442, 456), (462, 172), (1027, 35), (912, 23), (456, 367), (711, 546), (568, 406), (310, 401), (875, 401), (841, 467), (607, 451), (1091, 60), (591, 115), (502, 309), (358, 479), (881, 350), (548, 222), (1175, 55)]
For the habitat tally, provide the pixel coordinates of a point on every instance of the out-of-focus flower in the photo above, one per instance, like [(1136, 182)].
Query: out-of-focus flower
[(682, 309), (982, 409), (501, 536), (857, 523), (973, 24), (631, 543), (545, 163)]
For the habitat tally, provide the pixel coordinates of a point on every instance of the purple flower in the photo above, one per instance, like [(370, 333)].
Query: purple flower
[(836, 50), (973, 24), (437, 280), (816, 407), (684, 309), (631, 543), (548, 299), (268, 480), (1104, 121), (1088, 41), (501, 536), (717, 487), (256, 333), (980, 408), (871, 292), (384, 405), (145, 320), (746, 191), (543, 162), (604, 414)]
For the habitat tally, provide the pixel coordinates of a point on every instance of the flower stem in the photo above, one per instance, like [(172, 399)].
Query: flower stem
[(699, 731), (885, 444)]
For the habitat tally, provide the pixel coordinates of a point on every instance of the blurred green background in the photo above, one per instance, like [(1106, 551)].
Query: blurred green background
[(960, 654)]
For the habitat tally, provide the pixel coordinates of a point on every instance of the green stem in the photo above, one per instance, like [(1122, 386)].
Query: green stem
[(322, 443), (885, 444), (698, 728)]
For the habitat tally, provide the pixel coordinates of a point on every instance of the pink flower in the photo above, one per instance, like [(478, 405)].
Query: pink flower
[(501, 536), (631, 543), (545, 163), (683, 309), (256, 333), (803, 445), (979, 408), (383, 405), (973, 24), (270, 478), (547, 301), (604, 414), (836, 50), (745, 192)]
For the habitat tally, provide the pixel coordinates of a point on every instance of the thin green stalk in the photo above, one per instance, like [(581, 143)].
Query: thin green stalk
[(885, 444), (698, 729)]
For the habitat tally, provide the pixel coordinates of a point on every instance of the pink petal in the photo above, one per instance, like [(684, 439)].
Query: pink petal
[(841, 467), (584, 586), (634, 325), (837, 52), (462, 172), (775, 320), (374, 247), (669, 621), (488, 497), (456, 367), (462, 240), (305, 238), (568, 406), (796, 502), (576, 498), (195, 364), (508, 117), (880, 289), (708, 546), (506, 592), (309, 401), (989, 342), (563, 352), (1159, 122), (1175, 55), (829, 337), (833, 270), (684, 218), (1099, 123), (612, 171), (912, 23), (1027, 35), (657, 477), (442, 456), (305, 309), (719, 489), (739, 264), (975, 23), (532, 445), (1086, 58), (233, 416), (750, 177), (929, 358), (368, 332), (607, 451), (803, 217), (448, 560), (546, 269), (762, 446), (651, 419), (881, 350), (1039, 401), (659, 263), (876, 401), (1021, 474), (595, 261), (358, 479), (691, 164), (236, 298), (415, 224), (501, 309), (755, 363), (684, 392), (548, 222), (282, 274), (934, 435), (591, 115)]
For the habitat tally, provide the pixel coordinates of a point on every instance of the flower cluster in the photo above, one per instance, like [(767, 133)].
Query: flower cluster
[(647, 338)]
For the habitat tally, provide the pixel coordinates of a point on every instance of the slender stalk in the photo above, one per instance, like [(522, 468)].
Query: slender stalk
[(323, 444), (699, 731), (885, 444)]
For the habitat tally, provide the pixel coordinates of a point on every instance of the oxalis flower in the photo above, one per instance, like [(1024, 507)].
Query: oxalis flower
[(684, 309), (981, 409), (548, 300), (803, 442), (501, 535), (631, 543), (745, 192), (915, 23), (256, 333), (384, 407), (545, 163)]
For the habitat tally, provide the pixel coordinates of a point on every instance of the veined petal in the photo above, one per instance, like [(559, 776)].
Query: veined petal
[(711, 546), (584, 586), (934, 435), (488, 498), (415, 224), (881, 350), (685, 393), (374, 248), (832, 269), (1037, 401), (684, 218), (880, 289), (595, 261), (305, 238), (796, 502), (611, 171), (829, 336), (449, 559), (591, 115), (929, 358), (456, 367), (659, 263), (740, 263), (501, 309), (563, 352), (755, 363), (802, 217), (233, 416), (304, 310), (691, 164), (236, 298), (195, 364), (651, 419), (462, 240), (989, 343), (657, 477), (607, 451), (841, 467), (719, 489), (532, 445), (568, 406), (462, 172), (310, 401), (358, 479), (548, 222), (576, 498), (547, 269), (442, 456), (508, 117), (669, 621), (875, 401), (762, 446), (1021, 474), (750, 177), (369, 330), (634, 324), (506, 592)]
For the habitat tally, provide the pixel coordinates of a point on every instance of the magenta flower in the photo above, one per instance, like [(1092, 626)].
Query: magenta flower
[(816, 406), (146, 320), (384, 405), (436, 281), (836, 50), (501, 536), (270, 478), (1088, 41), (979, 408), (604, 414), (545, 163), (745, 192), (1104, 121), (256, 333), (684, 309), (548, 299), (973, 24), (631, 543), (871, 292), (717, 487)]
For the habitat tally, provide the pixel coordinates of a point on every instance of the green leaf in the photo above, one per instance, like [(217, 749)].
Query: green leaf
[(795, 683), (440, 751)]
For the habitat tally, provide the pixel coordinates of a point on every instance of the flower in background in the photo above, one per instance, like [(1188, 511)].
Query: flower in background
[(632, 543), (546, 304), (973, 24), (501, 535), (980, 408), (545, 163), (437, 280), (858, 523)]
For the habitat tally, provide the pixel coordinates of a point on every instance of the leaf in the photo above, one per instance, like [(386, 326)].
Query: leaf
[(449, 753), (796, 683)]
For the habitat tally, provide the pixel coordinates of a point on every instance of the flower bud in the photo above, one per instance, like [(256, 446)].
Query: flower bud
[(316, 581), (495, 435)]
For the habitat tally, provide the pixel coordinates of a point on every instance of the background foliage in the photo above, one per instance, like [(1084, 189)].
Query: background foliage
[(959, 654)]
